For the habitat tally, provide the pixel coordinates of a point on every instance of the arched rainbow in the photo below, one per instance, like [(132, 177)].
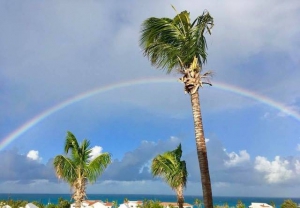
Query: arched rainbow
[(38, 118)]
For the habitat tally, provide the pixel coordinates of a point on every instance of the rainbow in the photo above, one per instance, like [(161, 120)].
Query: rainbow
[(222, 86)]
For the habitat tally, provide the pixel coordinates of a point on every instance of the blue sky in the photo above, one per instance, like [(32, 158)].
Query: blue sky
[(51, 51)]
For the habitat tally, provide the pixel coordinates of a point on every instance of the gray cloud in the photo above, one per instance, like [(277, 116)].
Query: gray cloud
[(131, 173), (17, 167), (135, 165)]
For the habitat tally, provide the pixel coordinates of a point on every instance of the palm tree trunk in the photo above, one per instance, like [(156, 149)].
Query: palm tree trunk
[(76, 194), (201, 151), (180, 198), (79, 192)]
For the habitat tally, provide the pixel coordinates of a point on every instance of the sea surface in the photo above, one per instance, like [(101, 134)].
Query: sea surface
[(218, 200)]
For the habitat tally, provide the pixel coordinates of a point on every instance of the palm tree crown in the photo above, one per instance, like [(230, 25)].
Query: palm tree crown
[(77, 167), (169, 166), (171, 43)]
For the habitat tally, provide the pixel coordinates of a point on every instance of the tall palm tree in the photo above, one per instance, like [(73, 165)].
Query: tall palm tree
[(180, 44), (78, 168), (172, 170)]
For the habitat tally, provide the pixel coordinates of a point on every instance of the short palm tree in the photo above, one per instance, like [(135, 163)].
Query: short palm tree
[(198, 203), (169, 166), (180, 44), (115, 204), (78, 168)]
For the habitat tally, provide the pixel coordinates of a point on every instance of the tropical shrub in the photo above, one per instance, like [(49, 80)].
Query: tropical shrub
[(288, 204), (240, 204), (151, 204)]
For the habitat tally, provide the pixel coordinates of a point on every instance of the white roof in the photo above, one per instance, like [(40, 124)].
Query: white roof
[(123, 206), (260, 205), (30, 205)]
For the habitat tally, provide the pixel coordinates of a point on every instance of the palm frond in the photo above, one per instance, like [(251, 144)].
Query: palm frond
[(76, 168), (85, 151), (71, 143), (169, 43), (65, 168), (97, 166), (170, 168)]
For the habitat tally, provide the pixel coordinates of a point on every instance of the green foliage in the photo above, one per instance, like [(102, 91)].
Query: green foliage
[(288, 204), (115, 204), (225, 205), (171, 43), (170, 168), (51, 206), (198, 203), (151, 204), (62, 203), (272, 203), (15, 203), (240, 204), (77, 167)]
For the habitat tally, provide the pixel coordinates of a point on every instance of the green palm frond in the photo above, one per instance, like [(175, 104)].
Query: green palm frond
[(167, 42), (177, 152), (182, 20), (170, 168), (97, 166), (65, 168), (85, 151), (71, 143), (76, 168)]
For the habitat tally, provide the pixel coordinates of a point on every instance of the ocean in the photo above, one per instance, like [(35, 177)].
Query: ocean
[(218, 200)]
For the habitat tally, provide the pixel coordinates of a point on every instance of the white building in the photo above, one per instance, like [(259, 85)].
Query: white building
[(30, 205), (94, 204), (131, 204), (260, 205)]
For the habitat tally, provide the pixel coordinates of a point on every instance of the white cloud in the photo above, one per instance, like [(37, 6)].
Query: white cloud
[(96, 151), (174, 139), (237, 159), (276, 171), (34, 155)]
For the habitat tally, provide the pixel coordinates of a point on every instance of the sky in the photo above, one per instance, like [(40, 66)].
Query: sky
[(77, 66)]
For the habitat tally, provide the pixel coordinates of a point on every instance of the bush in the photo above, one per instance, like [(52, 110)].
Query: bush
[(51, 206), (240, 204), (151, 204), (62, 203), (288, 204)]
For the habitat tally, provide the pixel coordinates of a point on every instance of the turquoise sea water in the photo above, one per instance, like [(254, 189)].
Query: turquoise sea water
[(218, 200)]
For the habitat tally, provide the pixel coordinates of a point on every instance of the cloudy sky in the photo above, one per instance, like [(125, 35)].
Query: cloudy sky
[(53, 53)]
